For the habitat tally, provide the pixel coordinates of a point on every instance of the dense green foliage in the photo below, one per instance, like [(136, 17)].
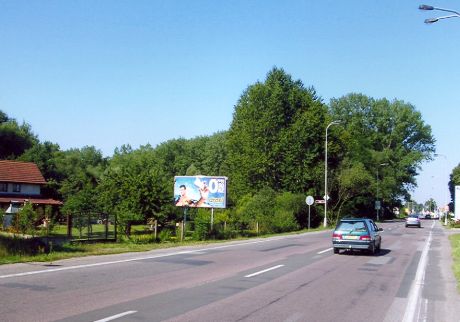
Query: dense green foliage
[(275, 139), (454, 181), (14, 138), (25, 219), (273, 154)]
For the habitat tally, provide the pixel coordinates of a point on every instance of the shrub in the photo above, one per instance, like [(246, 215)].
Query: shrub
[(202, 228), (455, 224), (25, 219), (165, 235)]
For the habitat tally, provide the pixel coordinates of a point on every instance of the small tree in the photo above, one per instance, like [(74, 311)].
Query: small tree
[(2, 214), (25, 219)]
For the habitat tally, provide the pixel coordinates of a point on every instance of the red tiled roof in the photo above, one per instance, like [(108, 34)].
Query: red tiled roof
[(20, 172), (35, 201)]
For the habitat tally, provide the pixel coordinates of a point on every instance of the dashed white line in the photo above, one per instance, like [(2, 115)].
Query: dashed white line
[(264, 271), (113, 317), (324, 251)]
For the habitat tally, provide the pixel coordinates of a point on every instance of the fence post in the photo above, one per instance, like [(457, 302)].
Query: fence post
[(69, 225), (106, 224), (115, 226)]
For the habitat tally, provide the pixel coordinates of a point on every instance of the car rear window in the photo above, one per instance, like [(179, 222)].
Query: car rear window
[(352, 226)]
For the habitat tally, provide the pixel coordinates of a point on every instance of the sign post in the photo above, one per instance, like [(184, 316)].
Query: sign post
[(309, 200)]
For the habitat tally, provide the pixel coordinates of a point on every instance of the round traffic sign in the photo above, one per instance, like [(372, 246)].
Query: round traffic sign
[(309, 200)]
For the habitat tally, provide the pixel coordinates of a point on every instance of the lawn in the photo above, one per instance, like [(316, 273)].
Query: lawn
[(455, 242)]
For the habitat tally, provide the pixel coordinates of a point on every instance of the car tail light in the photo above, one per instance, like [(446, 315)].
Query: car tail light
[(336, 236), (365, 237)]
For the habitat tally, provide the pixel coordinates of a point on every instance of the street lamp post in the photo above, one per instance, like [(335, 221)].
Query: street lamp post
[(325, 173), (378, 205), (433, 20)]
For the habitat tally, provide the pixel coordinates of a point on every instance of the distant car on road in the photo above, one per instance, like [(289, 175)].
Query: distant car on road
[(357, 233), (427, 216), (413, 220)]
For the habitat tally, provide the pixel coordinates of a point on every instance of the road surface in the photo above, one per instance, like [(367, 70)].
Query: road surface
[(288, 278)]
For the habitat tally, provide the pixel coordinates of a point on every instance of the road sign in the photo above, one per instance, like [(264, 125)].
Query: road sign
[(320, 201), (327, 197), (309, 200)]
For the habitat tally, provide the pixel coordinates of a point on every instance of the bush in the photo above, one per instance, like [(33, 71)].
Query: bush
[(455, 224), (25, 219), (17, 245), (283, 221), (2, 214), (142, 239), (165, 235), (202, 228)]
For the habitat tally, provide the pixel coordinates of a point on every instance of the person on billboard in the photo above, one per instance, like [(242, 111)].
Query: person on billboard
[(204, 193), (184, 200)]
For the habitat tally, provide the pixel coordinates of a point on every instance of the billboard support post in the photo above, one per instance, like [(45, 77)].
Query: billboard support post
[(212, 218), (184, 223)]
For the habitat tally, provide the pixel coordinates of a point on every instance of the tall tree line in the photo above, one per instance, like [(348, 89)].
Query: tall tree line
[(273, 155)]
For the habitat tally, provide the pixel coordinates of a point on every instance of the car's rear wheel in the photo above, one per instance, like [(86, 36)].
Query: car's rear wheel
[(373, 248)]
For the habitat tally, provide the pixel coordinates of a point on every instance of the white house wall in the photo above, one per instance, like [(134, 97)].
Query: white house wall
[(26, 189)]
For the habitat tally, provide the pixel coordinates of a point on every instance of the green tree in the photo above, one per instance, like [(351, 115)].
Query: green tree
[(135, 187), (46, 155), (454, 181), (25, 219), (382, 132), (274, 138), (80, 169), (430, 205), (14, 138)]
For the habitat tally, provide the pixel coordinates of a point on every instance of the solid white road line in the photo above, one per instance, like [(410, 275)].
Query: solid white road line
[(264, 271), (417, 284), (324, 251), (113, 317)]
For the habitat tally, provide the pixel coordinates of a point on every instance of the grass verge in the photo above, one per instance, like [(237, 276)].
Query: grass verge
[(455, 242), (80, 250)]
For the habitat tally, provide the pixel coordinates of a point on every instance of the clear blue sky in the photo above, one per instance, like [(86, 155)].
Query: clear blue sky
[(107, 73)]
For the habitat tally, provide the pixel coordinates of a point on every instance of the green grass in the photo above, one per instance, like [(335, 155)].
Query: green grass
[(81, 250), (455, 242)]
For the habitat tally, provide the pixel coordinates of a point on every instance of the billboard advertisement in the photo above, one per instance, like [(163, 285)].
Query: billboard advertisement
[(200, 191)]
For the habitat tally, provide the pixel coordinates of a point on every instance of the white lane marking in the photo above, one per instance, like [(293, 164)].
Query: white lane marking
[(51, 270), (113, 317), (324, 251), (264, 271), (417, 284)]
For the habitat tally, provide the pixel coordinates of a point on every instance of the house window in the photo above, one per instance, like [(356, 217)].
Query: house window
[(3, 187), (16, 187)]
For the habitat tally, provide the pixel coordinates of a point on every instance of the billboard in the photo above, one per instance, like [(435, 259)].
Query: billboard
[(200, 191)]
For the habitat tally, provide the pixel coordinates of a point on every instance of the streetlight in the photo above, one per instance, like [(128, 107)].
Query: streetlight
[(433, 20), (325, 173), (377, 204), (447, 198)]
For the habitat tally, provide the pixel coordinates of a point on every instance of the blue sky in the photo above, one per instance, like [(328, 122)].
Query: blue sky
[(108, 73)]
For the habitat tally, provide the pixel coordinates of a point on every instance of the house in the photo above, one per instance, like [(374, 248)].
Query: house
[(21, 182)]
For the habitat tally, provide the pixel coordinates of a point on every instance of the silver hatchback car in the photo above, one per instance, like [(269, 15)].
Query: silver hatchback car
[(413, 220)]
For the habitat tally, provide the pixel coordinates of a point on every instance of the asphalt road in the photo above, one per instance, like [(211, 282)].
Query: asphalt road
[(289, 278)]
